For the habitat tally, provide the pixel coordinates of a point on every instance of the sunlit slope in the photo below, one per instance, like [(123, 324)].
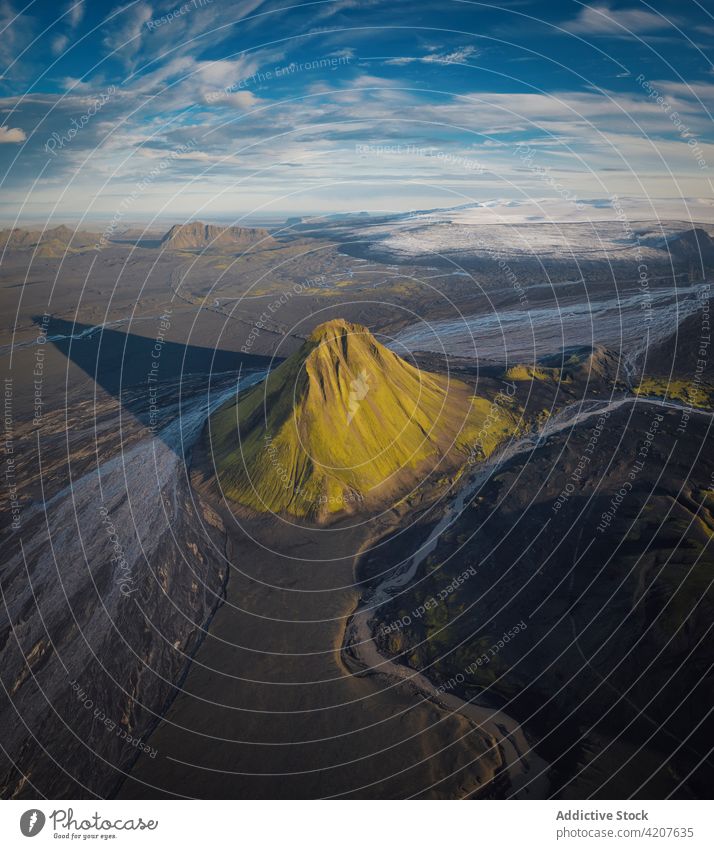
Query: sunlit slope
[(345, 423)]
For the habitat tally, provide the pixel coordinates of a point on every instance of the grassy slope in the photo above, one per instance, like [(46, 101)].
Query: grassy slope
[(525, 372), (345, 420), (688, 392)]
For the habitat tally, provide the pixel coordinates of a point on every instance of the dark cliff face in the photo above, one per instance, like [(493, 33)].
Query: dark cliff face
[(678, 355), (694, 245), (102, 622), (199, 236)]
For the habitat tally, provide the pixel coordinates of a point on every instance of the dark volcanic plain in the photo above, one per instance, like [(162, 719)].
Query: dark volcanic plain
[(153, 642)]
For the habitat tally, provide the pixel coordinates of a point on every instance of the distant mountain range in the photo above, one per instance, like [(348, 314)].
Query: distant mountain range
[(483, 231), (47, 243)]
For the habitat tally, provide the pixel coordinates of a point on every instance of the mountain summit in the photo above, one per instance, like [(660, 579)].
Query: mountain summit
[(695, 245), (346, 423), (198, 236)]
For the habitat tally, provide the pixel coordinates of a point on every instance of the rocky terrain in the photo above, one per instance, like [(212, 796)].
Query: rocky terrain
[(48, 243), (197, 236), (574, 592), (108, 581), (136, 595)]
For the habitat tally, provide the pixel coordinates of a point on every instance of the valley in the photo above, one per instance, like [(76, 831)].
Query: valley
[(262, 588)]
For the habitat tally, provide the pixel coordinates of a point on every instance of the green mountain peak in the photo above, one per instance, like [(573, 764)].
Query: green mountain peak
[(344, 424)]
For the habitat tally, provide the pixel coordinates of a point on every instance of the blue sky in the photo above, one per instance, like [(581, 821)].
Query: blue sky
[(214, 109)]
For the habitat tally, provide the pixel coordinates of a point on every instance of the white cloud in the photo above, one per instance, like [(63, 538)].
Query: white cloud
[(16, 32), (457, 56), (454, 57), (689, 90), (223, 73), (76, 12), (59, 42), (603, 20), (242, 99), (127, 36), (12, 135)]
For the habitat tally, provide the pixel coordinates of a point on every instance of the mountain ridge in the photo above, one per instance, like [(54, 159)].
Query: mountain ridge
[(345, 424), (196, 235)]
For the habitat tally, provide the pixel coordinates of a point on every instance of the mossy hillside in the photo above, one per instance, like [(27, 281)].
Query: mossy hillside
[(522, 372), (344, 422), (693, 393)]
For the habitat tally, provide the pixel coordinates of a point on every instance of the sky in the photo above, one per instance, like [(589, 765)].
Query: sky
[(221, 110)]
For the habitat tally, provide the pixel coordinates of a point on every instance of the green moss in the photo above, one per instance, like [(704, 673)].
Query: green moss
[(693, 394), (523, 372), (345, 421)]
